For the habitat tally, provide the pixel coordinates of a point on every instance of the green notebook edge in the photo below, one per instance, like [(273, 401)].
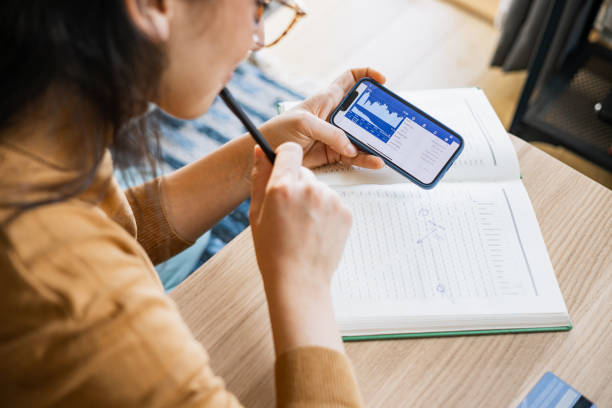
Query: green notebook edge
[(455, 333)]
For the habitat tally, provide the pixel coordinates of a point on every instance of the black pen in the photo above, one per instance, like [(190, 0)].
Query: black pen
[(233, 105)]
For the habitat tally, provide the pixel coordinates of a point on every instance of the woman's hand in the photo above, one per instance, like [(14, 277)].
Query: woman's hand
[(307, 125), (299, 228), (299, 224), (197, 198)]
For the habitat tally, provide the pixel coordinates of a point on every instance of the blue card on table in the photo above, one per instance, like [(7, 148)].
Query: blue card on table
[(553, 392)]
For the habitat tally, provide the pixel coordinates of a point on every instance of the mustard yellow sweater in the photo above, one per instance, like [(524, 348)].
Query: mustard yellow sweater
[(84, 320)]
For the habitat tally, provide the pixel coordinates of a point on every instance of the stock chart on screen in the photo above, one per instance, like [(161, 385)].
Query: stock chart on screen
[(377, 113)]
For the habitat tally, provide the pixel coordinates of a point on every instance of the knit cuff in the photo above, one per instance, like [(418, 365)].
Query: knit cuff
[(154, 231), (315, 376)]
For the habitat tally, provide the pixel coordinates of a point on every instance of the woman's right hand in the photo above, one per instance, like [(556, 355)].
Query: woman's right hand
[(299, 224), (299, 228)]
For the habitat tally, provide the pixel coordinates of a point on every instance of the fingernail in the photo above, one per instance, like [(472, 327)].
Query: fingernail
[(350, 150), (256, 155)]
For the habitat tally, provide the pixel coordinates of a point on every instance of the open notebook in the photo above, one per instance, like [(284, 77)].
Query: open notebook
[(464, 258)]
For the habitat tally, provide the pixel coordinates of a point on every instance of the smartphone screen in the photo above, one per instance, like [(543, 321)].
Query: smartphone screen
[(406, 138)]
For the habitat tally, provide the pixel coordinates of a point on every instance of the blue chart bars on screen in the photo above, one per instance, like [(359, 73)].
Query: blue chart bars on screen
[(377, 112)]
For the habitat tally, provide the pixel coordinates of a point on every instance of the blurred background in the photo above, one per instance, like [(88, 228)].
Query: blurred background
[(560, 48)]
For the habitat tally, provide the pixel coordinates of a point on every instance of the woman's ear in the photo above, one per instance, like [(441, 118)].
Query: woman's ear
[(152, 17)]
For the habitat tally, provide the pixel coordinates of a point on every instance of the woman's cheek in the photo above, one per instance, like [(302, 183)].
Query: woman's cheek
[(203, 51)]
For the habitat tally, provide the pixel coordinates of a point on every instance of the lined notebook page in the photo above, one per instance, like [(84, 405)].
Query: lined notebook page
[(454, 242)]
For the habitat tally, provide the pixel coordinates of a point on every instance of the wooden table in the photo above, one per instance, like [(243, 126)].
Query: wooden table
[(224, 304)]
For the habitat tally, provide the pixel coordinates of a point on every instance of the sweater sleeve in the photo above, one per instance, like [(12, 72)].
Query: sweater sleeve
[(308, 377), (154, 231)]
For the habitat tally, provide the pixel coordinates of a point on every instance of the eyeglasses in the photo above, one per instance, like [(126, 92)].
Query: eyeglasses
[(277, 17)]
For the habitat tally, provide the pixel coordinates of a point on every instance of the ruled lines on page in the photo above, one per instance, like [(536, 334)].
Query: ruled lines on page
[(450, 243)]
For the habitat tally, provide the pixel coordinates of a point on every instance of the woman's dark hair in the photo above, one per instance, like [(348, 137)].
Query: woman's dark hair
[(93, 49)]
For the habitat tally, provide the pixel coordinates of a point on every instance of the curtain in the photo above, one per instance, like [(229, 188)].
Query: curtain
[(523, 25)]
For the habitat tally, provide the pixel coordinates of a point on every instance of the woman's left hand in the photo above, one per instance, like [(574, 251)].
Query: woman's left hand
[(307, 125)]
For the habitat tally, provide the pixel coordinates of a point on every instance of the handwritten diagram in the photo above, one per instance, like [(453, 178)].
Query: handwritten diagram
[(435, 231)]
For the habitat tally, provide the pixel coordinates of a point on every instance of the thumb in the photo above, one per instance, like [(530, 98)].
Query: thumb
[(262, 169)]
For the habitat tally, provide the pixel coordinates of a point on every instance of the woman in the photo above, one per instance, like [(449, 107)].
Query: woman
[(84, 317)]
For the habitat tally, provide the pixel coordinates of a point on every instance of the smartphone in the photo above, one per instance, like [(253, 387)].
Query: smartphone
[(409, 141)]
